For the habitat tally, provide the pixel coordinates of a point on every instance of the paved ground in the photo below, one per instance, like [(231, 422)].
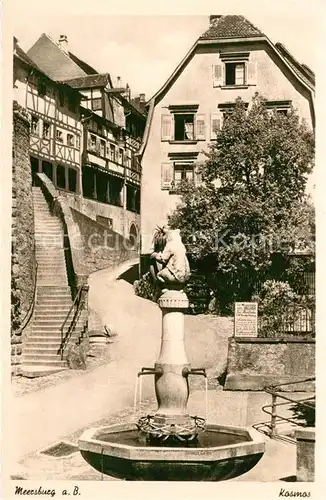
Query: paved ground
[(106, 393)]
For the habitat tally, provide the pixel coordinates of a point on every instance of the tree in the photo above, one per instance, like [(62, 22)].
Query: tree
[(251, 205)]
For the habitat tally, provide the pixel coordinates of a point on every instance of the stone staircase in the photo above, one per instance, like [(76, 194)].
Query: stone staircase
[(53, 296)]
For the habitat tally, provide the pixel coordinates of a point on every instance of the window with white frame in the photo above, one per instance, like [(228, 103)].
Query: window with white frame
[(34, 125), (173, 173), (112, 152), (280, 107), (92, 142), (183, 172), (234, 70), (46, 130), (59, 135), (234, 74), (183, 126), (70, 140), (102, 147), (120, 156)]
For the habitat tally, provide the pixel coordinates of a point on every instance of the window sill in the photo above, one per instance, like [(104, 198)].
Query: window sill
[(224, 87), (192, 141)]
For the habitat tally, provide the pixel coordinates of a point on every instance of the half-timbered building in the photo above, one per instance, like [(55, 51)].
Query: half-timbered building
[(55, 123), (113, 128)]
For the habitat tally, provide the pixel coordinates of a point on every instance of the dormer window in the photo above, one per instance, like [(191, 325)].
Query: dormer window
[(234, 74)]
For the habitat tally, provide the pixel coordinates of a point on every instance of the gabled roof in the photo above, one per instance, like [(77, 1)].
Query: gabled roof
[(53, 60), (301, 70), (20, 54), (230, 27), (83, 65), (89, 81), (222, 30)]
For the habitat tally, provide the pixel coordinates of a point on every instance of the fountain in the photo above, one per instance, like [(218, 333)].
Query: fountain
[(171, 445)]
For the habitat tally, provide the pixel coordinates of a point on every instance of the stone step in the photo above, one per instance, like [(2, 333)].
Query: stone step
[(45, 339), (52, 308), (49, 281), (60, 275), (29, 371), (48, 322), (51, 261), (42, 345), (64, 297), (52, 331), (44, 362), (49, 356), (53, 315), (41, 351)]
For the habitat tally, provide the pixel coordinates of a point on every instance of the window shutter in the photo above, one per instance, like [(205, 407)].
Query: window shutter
[(200, 127), (218, 75), (252, 73), (166, 175), (167, 128), (216, 124)]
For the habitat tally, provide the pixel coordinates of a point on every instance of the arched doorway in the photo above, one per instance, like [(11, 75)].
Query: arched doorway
[(133, 236)]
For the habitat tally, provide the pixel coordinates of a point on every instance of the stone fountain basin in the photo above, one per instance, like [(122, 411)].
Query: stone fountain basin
[(117, 451)]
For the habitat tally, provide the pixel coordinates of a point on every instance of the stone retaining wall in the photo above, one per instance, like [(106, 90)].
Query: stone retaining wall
[(254, 363), (103, 248), (23, 239)]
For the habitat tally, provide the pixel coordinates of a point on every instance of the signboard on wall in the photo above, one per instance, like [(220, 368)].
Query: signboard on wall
[(246, 319)]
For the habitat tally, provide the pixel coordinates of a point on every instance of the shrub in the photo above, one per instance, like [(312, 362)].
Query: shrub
[(144, 287), (305, 413), (282, 311), (274, 300)]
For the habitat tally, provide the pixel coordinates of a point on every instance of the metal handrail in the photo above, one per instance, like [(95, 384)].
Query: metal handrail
[(65, 338), (30, 311), (277, 419)]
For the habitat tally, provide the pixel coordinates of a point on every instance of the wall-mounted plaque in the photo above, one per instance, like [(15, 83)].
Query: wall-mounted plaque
[(245, 319)]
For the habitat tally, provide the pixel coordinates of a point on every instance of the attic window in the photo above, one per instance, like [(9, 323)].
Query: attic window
[(96, 104), (234, 74)]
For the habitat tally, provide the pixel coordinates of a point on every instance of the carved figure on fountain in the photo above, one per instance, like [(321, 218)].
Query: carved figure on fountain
[(174, 270)]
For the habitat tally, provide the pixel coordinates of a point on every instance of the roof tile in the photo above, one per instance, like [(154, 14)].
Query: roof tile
[(89, 81), (231, 27)]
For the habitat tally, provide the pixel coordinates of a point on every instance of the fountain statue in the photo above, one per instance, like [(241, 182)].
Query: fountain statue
[(171, 444)]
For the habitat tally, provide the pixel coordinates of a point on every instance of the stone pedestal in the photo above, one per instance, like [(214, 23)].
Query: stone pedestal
[(305, 454), (172, 366)]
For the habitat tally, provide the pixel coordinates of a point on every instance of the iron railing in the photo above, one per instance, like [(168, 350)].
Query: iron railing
[(294, 320), (77, 306), (287, 405), (31, 308)]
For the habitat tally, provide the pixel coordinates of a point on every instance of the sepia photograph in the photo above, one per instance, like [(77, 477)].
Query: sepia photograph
[(162, 267)]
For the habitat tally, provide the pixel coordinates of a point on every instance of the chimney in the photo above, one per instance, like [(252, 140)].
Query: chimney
[(141, 97), (63, 43), (214, 18)]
